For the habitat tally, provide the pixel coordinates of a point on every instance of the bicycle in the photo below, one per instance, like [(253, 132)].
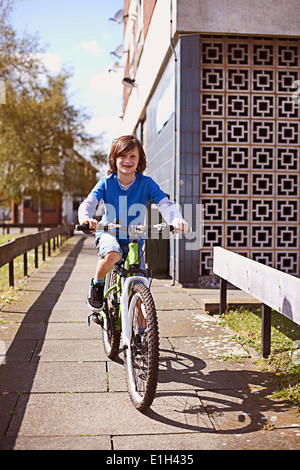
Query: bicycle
[(129, 309)]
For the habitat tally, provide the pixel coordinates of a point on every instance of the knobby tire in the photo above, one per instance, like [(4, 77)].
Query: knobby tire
[(111, 335), (142, 366)]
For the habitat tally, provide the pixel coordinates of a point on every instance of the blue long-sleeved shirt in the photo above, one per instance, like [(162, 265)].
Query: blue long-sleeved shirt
[(127, 205)]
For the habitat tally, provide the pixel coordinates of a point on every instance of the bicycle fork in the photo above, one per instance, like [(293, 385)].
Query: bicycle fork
[(126, 312)]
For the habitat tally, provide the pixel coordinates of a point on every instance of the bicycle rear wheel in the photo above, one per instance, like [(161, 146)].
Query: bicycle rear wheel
[(141, 358), (111, 324)]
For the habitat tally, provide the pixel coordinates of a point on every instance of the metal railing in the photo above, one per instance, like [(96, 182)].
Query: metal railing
[(6, 226), (25, 243), (275, 289)]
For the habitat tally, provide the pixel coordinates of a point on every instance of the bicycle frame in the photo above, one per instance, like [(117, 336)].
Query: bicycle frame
[(126, 314), (131, 301), (132, 259)]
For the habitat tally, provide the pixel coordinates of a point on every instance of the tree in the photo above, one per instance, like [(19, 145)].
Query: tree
[(18, 55), (40, 131), (18, 65)]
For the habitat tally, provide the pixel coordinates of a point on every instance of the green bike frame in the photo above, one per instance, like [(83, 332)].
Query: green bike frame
[(132, 259)]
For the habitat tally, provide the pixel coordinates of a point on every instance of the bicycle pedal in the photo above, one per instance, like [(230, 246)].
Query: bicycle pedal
[(96, 319)]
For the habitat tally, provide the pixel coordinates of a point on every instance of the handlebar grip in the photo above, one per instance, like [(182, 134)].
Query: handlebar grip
[(85, 228), (173, 229)]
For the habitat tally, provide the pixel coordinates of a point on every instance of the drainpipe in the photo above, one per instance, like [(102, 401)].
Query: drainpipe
[(175, 127)]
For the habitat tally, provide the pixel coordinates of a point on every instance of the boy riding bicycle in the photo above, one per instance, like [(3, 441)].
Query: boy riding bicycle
[(125, 193)]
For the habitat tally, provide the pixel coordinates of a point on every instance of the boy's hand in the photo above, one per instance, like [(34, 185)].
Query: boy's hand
[(92, 223), (181, 225)]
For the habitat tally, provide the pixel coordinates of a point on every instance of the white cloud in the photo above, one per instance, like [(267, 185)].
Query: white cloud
[(90, 46), (105, 83), (110, 125), (53, 62)]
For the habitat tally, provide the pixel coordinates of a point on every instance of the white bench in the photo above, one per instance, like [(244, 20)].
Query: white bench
[(275, 289)]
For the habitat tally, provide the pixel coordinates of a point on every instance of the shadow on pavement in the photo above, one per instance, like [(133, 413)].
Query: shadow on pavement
[(22, 360), (234, 399)]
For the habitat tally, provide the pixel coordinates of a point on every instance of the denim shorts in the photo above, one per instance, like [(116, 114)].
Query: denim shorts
[(106, 242)]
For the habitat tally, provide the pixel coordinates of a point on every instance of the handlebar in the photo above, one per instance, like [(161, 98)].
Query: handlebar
[(132, 229)]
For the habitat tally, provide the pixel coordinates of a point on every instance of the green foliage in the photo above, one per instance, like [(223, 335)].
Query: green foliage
[(284, 360), (42, 134)]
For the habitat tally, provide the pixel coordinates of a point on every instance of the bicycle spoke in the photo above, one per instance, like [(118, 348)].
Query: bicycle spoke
[(111, 334), (142, 363)]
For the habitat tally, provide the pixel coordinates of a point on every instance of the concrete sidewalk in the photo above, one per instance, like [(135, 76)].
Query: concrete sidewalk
[(59, 390)]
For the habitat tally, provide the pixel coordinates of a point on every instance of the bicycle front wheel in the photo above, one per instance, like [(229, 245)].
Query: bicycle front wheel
[(111, 324), (141, 358)]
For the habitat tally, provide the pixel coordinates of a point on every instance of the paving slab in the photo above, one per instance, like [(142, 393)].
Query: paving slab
[(116, 375), (19, 350), (287, 439), (247, 410), (209, 299), (82, 287), (57, 443), (74, 330), (174, 301), (63, 305), (54, 377), (69, 350), (8, 331), (184, 372), (28, 307), (213, 342), (6, 316), (8, 402), (74, 297), (65, 414), (69, 312), (46, 285), (32, 315), (182, 322), (58, 389), (35, 330)]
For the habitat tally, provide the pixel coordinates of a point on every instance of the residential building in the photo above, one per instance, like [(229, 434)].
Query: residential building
[(58, 206), (215, 103)]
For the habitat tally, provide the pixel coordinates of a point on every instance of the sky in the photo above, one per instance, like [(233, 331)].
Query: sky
[(78, 34)]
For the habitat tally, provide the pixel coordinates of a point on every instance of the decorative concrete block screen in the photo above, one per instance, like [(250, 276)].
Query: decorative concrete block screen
[(249, 149)]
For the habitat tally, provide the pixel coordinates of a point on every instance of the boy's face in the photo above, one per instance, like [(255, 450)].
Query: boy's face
[(127, 163)]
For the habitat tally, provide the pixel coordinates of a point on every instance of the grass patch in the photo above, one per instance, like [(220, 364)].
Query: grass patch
[(284, 360)]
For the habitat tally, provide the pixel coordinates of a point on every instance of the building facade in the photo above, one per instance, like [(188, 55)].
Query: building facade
[(215, 104), (57, 206)]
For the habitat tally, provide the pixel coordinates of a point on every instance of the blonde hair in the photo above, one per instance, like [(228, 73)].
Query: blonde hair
[(122, 146)]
